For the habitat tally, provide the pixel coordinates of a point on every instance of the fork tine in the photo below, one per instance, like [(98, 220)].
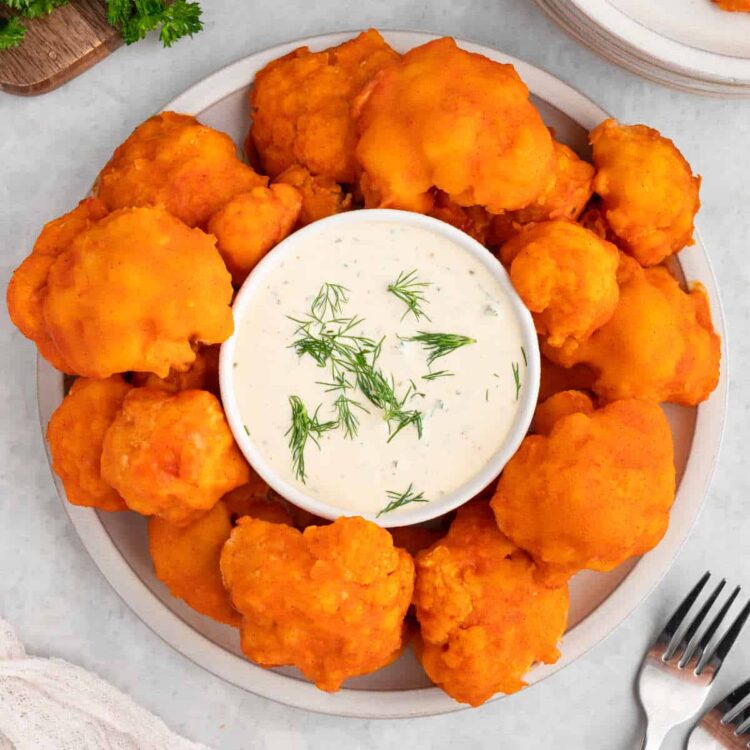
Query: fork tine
[(729, 704), (725, 644), (672, 626), (685, 641), (716, 623), (674, 622)]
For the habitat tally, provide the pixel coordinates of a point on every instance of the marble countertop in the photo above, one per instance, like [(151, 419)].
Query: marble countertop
[(50, 590)]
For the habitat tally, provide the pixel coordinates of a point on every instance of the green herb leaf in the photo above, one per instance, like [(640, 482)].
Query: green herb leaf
[(516, 378), (440, 344), (438, 374), (34, 8), (136, 18), (399, 499), (303, 428), (410, 291), (11, 32)]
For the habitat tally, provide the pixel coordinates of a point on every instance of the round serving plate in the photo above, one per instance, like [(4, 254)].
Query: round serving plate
[(691, 45), (117, 542)]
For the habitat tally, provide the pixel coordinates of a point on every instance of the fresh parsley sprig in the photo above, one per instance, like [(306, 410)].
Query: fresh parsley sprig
[(11, 32)]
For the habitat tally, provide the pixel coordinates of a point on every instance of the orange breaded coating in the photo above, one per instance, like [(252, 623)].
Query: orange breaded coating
[(556, 378), (453, 120), (134, 292), (648, 190), (76, 433), (250, 224), (660, 344), (553, 409), (186, 559), (593, 492), (474, 220), (255, 498), (566, 276), (734, 5), (565, 197), (330, 600), (28, 285), (321, 195), (171, 160), (301, 106), (172, 455), (484, 618), (202, 375)]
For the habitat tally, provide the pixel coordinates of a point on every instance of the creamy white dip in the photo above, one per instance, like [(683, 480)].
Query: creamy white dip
[(465, 416)]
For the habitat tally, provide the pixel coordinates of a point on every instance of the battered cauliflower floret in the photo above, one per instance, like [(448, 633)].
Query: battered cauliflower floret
[(321, 195), (250, 224), (484, 618), (742, 6), (556, 378), (414, 538), (453, 120), (186, 558), (202, 375), (257, 499), (550, 411), (172, 455), (173, 161), (567, 277), (565, 197), (659, 345), (76, 433), (301, 106), (330, 600), (648, 190), (136, 291), (28, 285), (593, 492), (474, 220)]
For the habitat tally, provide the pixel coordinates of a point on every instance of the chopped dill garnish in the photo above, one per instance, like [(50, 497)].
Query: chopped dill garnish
[(304, 427), (516, 378), (487, 395), (247, 432), (347, 420), (399, 499), (438, 374), (411, 292), (329, 300), (525, 361), (440, 344)]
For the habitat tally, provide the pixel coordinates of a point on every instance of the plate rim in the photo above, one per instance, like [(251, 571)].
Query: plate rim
[(590, 631)]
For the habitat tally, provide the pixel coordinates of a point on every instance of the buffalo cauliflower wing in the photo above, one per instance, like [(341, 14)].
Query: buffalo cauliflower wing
[(28, 285), (76, 433), (567, 277), (136, 291), (250, 224), (330, 600), (484, 618), (659, 345), (301, 106), (593, 491), (201, 375), (449, 119), (648, 190), (565, 197), (321, 195), (550, 411), (173, 161), (172, 455)]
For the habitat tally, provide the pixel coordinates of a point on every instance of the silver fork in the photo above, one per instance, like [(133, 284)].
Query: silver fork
[(678, 670), (726, 725)]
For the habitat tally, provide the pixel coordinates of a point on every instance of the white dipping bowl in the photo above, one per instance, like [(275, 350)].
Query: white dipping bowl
[(418, 512)]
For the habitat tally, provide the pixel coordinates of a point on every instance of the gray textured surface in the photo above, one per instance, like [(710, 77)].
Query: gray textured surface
[(50, 150)]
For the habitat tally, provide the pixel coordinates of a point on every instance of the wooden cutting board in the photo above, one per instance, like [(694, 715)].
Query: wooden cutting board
[(57, 48)]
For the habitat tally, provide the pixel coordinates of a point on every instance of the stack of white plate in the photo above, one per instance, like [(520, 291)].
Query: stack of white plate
[(690, 45)]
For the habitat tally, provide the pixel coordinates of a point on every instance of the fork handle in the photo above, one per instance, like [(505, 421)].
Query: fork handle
[(654, 737)]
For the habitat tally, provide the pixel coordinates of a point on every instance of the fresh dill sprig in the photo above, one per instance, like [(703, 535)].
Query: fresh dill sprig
[(329, 301), (439, 344), (399, 499), (438, 374), (523, 354), (12, 32), (347, 419), (411, 292), (303, 428), (517, 378)]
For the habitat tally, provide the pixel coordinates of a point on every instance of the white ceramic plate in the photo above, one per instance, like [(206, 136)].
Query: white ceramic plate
[(690, 45), (599, 602)]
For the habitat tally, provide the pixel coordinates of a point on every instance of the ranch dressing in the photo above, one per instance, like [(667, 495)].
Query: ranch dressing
[(465, 415)]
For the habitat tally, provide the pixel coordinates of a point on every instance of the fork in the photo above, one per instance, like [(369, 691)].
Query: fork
[(678, 670), (726, 725)]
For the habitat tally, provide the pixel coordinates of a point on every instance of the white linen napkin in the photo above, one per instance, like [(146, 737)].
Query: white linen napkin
[(49, 704)]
